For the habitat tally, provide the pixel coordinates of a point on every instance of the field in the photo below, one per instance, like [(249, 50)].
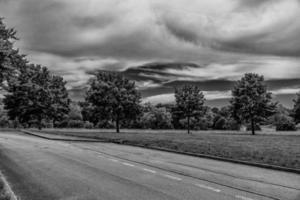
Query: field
[(280, 149)]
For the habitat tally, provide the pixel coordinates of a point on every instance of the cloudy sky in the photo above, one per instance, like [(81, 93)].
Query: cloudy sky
[(162, 44)]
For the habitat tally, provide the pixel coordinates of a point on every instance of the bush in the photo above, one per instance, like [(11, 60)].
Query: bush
[(233, 125), (75, 124), (62, 124), (88, 125), (4, 122), (285, 124), (220, 124), (257, 127), (105, 124), (156, 118)]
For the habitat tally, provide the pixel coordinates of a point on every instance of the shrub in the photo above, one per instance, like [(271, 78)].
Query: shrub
[(257, 127), (88, 125), (75, 124), (62, 124), (220, 124), (105, 124), (285, 124), (157, 118), (232, 124)]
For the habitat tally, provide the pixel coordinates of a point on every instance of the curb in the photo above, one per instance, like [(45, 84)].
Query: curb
[(121, 142), (60, 139), (12, 195)]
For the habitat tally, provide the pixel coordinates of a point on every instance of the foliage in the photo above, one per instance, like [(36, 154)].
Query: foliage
[(10, 59), (285, 123), (114, 96), (156, 118), (189, 103), (75, 112), (251, 103), (88, 125), (75, 123), (296, 109), (35, 95)]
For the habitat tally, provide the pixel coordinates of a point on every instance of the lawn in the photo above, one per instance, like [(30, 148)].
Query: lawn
[(280, 149)]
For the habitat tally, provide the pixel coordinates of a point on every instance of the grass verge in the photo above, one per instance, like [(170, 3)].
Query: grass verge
[(4, 191), (279, 150)]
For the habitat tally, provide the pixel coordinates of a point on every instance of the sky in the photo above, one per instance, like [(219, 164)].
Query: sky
[(163, 44)]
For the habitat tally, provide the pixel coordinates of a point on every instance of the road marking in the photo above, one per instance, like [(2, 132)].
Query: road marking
[(242, 197), (114, 160), (208, 187), (172, 177), (149, 170), (128, 164)]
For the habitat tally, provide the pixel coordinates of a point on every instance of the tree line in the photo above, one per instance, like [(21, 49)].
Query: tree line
[(34, 97)]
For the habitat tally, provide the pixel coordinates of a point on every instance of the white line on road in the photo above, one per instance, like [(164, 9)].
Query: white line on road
[(114, 160), (242, 197), (208, 187), (172, 177), (149, 170), (128, 164)]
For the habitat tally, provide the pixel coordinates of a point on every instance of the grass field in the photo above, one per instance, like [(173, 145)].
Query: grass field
[(281, 149)]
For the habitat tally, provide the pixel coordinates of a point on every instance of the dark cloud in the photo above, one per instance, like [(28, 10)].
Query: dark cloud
[(224, 38)]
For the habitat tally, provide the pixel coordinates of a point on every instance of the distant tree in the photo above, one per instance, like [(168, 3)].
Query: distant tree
[(114, 96), (156, 118), (189, 103), (250, 101), (75, 112), (10, 59), (296, 109), (60, 99), (35, 96)]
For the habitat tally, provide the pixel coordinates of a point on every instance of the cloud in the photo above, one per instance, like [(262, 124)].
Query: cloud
[(217, 40)]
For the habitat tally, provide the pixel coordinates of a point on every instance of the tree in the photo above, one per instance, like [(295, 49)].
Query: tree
[(114, 96), (251, 103), (156, 117), (296, 109), (35, 95), (10, 59), (60, 105), (189, 103)]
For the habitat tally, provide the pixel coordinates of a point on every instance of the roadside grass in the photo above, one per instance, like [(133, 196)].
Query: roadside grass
[(4, 194), (280, 149)]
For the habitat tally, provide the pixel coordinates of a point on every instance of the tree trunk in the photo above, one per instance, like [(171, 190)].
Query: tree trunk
[(188, 123), (117, 125), (252, 126), (40, 123)]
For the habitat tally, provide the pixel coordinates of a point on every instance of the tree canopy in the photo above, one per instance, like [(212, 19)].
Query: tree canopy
[(10, 59), (251, 102), (36, 95), (114, 96), (189, 103), (296, 109)]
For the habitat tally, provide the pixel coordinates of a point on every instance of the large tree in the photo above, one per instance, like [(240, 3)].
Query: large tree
[(10, 59), (35, 95), (189, 103), (114, 96), (296, 109), (251, 102)]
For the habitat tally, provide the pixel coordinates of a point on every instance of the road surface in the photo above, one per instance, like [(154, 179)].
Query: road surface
[(40, 169)]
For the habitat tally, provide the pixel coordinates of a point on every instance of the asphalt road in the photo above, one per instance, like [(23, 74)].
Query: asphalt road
[(42, 169)]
